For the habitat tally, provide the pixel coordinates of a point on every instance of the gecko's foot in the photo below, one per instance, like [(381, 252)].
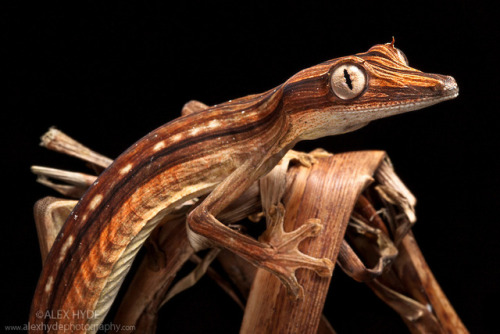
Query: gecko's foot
[(287, 258)]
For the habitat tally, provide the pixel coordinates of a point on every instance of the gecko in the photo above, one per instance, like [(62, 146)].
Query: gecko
[(216, 153)]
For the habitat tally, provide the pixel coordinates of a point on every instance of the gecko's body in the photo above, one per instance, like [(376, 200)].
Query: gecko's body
[(219, 151)]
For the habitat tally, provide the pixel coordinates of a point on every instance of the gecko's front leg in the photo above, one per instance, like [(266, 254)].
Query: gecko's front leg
[(275, 253)]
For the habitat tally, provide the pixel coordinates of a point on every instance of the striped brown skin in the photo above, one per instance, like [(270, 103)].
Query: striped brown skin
[(188, 157), (100, 235)]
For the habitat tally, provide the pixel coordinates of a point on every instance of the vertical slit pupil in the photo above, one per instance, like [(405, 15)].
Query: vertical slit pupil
[(348, 80)]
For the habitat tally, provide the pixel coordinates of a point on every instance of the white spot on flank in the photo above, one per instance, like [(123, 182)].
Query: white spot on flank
[(50, 283), (126, 169), (65, 247), (177, 137), (95, 201), (159, 146), (194, 131), (213, 124)]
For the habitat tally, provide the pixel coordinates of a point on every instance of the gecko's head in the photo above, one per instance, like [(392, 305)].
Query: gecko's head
[(346, 93)]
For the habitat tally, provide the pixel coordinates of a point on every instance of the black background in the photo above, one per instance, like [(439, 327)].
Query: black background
[(109, 73)]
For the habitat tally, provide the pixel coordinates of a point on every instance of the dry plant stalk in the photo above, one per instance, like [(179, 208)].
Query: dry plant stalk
[(58, 141), (53, 213), (330, 190), (327, 191), (396, 271)]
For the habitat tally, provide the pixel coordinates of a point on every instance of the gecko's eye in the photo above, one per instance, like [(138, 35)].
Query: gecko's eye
[(348, 81)]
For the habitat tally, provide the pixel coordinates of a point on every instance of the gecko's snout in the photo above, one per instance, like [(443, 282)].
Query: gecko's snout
[(445, 88), (450, 86)]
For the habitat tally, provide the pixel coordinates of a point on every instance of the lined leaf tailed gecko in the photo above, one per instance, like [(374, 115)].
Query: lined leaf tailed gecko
[(217, 152)]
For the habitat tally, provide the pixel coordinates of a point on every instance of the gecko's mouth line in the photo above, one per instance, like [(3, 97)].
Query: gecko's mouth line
[(424, 102), (401, 107)]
